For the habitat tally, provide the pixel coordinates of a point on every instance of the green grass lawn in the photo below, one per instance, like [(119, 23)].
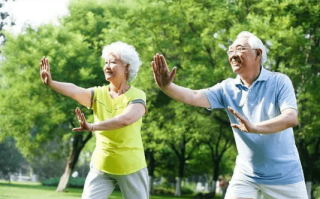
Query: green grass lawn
[(37, 191)]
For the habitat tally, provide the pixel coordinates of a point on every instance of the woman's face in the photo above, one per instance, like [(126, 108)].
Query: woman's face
[(114, 69)]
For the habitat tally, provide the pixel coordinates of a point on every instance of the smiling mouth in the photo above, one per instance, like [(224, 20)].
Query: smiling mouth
[(235, 62)]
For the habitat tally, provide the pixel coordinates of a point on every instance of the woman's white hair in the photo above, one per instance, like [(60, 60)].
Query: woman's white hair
[(255, 43), (127, 54)]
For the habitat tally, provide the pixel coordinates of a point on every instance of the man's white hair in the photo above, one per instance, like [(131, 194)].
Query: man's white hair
[(255, 43), (127, 54)]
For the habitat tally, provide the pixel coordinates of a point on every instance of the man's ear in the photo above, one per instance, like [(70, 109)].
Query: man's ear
[(259, 54)]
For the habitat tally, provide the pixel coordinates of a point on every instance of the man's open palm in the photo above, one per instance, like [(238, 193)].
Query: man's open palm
[(161, 73), (45, 71)]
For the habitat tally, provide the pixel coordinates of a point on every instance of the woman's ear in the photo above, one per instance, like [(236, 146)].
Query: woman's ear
[(127, 68), (127, 71)]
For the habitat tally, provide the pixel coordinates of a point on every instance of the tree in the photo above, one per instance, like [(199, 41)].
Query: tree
[(220, 140), (10, 158), (3, 21), (45, 114)]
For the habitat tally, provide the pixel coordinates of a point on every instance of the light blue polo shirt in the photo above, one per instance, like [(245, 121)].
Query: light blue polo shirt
[(262, 158)]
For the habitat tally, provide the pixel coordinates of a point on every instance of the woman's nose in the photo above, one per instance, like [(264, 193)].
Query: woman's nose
[(106, 66)]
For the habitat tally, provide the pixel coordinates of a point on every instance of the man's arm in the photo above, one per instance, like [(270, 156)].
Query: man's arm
[(131, 114), (164, 79), (288, 118), (83, 96)]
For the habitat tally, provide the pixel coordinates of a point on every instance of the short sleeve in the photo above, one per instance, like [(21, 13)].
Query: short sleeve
[(214, 95), (93, 97), (139, 97), (286, 95)]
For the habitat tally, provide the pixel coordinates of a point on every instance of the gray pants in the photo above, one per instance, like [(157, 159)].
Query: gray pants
[(99, 185)]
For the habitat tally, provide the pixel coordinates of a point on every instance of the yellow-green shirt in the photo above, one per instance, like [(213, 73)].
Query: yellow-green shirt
[(118, 151)]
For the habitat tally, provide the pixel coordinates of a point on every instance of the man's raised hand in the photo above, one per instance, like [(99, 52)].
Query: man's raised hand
[(161, 73), (45, 71)]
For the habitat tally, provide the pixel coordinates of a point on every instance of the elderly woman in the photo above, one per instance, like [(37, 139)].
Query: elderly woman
[(118, 108)]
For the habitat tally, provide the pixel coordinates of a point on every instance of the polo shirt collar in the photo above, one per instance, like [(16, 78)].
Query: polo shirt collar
[(263, 76)]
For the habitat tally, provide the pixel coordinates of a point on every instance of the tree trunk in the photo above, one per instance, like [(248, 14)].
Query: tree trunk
[(215, 177), (151, 168), (178, 187), (182, 163), (213, 187), (151, 189), (77, 145), (309, 188)]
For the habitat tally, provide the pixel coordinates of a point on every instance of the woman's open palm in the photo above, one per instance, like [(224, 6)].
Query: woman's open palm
[(84, 125)]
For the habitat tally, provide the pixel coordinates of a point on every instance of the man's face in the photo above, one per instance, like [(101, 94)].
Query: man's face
[(241, 56)]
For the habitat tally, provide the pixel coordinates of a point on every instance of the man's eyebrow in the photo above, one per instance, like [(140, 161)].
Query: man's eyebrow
[(236, 46)]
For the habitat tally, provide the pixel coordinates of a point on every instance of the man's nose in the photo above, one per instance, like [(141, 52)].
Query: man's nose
[(233, 55)]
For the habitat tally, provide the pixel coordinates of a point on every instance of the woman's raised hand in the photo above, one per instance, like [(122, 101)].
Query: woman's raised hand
[(84, 125), (161, 73)]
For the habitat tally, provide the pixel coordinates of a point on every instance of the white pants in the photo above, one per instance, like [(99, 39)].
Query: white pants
[(99, 185), (244, 189)]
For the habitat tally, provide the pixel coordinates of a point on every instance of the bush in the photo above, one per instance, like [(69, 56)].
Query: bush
[(76, 182), (51, 182), (169, 190), (186, 190), (73, 182), (163, 189)]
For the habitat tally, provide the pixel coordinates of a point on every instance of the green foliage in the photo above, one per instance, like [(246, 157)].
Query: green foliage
[(33, 114), (10, 158), (167, 189), (186, 190), (192, 35), (73, 182), (51, 160)]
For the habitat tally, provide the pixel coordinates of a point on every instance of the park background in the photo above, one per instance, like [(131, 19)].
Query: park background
[(187, 148)]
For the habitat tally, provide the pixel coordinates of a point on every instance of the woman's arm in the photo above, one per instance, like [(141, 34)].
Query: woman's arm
[(83, 96), (131, 114)]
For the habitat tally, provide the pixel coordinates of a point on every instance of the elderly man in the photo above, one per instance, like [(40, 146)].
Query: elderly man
[(262, 109)]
